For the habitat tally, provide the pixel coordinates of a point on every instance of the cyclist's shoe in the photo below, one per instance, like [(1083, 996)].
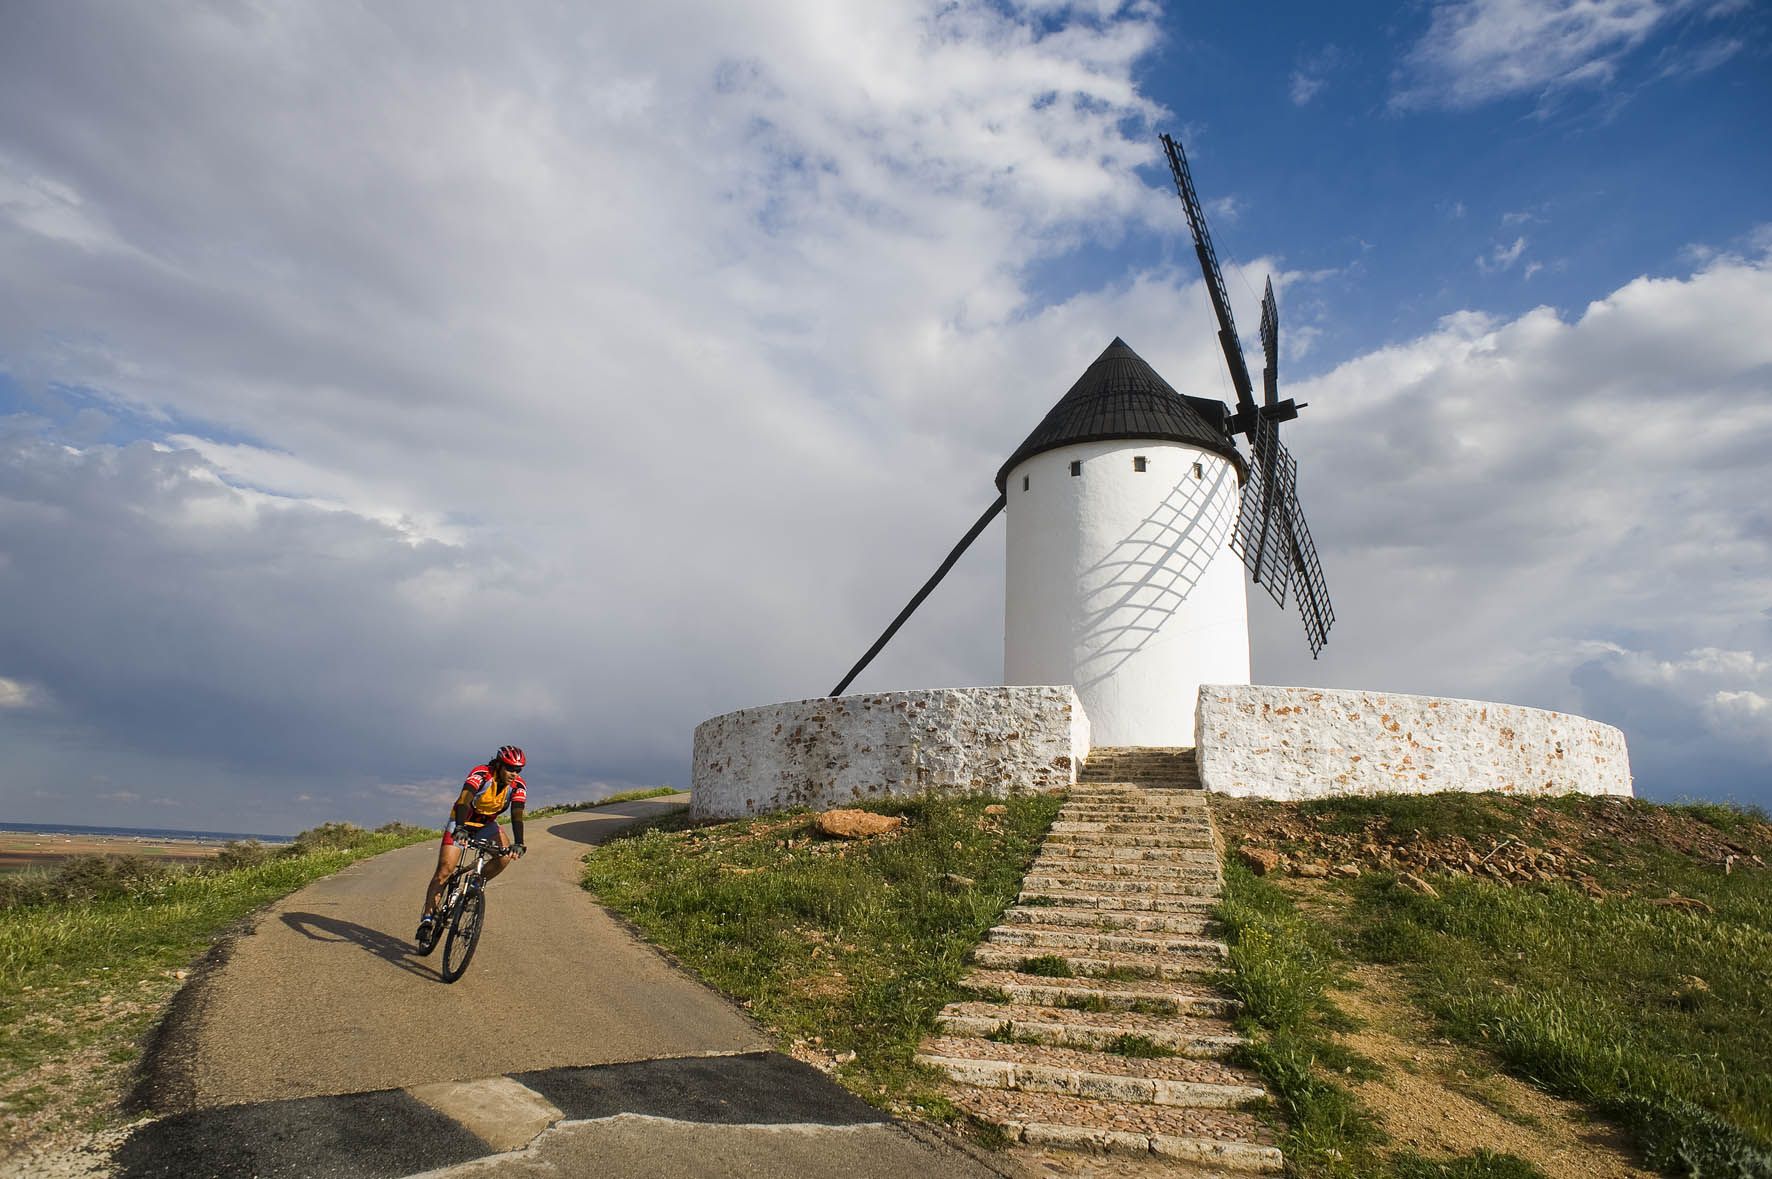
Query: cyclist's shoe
[(426, 937)]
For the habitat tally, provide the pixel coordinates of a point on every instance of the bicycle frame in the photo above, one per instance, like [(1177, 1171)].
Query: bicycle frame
[(465, 877)]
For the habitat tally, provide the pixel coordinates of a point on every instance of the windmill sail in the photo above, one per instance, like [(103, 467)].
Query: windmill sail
[(1271, 535), (1312, 591), (1260, 533)]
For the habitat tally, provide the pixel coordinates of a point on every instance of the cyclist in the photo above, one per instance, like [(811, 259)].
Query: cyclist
[(489, 789)]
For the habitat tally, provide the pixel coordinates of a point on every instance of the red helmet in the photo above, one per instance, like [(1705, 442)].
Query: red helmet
[(510, 755)]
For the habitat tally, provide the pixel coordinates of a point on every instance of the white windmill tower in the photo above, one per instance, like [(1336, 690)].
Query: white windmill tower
[(1128, 508)]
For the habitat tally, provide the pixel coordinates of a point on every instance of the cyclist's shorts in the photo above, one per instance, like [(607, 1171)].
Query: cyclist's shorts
[(486, 830)]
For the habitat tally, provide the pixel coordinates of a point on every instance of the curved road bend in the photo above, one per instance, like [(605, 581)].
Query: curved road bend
[(324, 995)]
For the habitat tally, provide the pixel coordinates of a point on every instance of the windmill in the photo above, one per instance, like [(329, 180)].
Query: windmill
[(1271, 535), (1128, 509)]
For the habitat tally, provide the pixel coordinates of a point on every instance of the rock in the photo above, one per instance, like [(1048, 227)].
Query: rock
[(996, 808), (1310, 870), (854, 824), (1414, 883), (1260, 860), (1348, 870), (955, 880), (843, 1057)]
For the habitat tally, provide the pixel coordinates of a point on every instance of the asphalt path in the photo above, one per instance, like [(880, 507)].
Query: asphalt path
[(316, 1042), (325, 994)]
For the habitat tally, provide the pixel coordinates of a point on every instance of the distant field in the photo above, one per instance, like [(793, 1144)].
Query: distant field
[(22, 850)]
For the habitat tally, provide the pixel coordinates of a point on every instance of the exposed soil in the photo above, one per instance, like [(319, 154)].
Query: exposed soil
[(1438, 1099), (1529, 843)]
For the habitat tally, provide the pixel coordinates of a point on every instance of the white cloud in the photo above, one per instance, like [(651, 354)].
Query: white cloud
[(1502, 256), (15, 694), (1560, 511), (1312, 74), (1224, 209), (1476, 51), (502, 378)]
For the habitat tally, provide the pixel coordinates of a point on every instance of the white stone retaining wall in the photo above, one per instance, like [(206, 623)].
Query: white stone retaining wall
[(833, 752), (1293, 743)]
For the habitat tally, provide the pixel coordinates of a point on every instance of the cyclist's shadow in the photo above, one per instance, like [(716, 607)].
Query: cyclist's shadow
[(390, 949)]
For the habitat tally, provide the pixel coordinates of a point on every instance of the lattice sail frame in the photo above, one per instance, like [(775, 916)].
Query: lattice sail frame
[(1273, 539)]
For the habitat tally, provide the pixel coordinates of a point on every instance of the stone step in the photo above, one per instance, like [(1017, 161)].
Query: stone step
[(1122, 827), (1105, 919), (1039, 881), (1091, 964), (1217, 1156), (1141, 995), (1139, 855), (1197, 1070), (1093, 813), (1067, 938), (1100, 1086), (1085, 788), (1066, 897), (1183, 838), (1194, 1038), (1125, 870)]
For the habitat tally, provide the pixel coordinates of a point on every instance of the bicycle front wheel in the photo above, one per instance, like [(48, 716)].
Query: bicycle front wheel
[(464, 935)]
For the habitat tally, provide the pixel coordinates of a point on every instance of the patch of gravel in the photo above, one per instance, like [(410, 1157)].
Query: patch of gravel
[(1012, 1105), (89, 1158), (1167, 1068)]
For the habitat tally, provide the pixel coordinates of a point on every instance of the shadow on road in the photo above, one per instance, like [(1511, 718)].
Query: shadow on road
[(390, 949)]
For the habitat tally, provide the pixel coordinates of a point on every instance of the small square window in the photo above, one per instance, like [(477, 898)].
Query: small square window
[(1138, 463), (1024, 482), (1199, 471), (1076, 466)]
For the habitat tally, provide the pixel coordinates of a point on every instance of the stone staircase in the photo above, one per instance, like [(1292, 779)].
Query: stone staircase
[(1093, 1026), (1152, 766)]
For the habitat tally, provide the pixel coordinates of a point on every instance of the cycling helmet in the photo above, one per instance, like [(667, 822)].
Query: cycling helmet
[(510, 755)]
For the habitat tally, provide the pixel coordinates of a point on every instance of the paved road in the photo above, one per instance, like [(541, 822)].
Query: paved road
[(326, 996), (318, 1044)]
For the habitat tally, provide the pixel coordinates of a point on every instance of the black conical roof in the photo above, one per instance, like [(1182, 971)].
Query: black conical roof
[(1120, 396)]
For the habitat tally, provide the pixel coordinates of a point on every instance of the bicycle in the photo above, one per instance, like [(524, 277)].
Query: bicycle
[(463, 910)]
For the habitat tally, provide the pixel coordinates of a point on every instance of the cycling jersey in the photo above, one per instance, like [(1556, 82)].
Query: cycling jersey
[(484, 800)]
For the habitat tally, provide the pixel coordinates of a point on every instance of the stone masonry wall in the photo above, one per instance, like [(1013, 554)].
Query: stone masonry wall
[(833, 752), (1293, 743)]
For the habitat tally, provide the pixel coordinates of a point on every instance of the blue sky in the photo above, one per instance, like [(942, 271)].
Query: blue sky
[(379, 385)]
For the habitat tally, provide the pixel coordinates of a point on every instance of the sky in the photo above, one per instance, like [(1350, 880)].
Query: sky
[(382, 383)]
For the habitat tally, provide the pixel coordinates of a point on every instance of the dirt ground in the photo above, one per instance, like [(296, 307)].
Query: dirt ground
[(1439, 1099)]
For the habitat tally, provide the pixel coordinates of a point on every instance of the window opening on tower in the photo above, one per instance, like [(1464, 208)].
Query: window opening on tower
[(1199, 471), (1138, 463), (1076, 466), (1024, 482)]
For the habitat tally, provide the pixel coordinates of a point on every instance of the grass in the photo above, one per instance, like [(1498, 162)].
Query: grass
[(1142, 1047), (1282, 967), (1046, 966), (840, 946), (1594, 1001), (1656, 1015), (90, 952)]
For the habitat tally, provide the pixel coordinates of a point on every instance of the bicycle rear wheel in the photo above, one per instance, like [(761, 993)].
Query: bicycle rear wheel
[(464, 934)]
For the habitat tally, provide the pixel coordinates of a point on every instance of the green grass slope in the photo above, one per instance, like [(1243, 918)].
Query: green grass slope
[(1611, 951), (845, 950)]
